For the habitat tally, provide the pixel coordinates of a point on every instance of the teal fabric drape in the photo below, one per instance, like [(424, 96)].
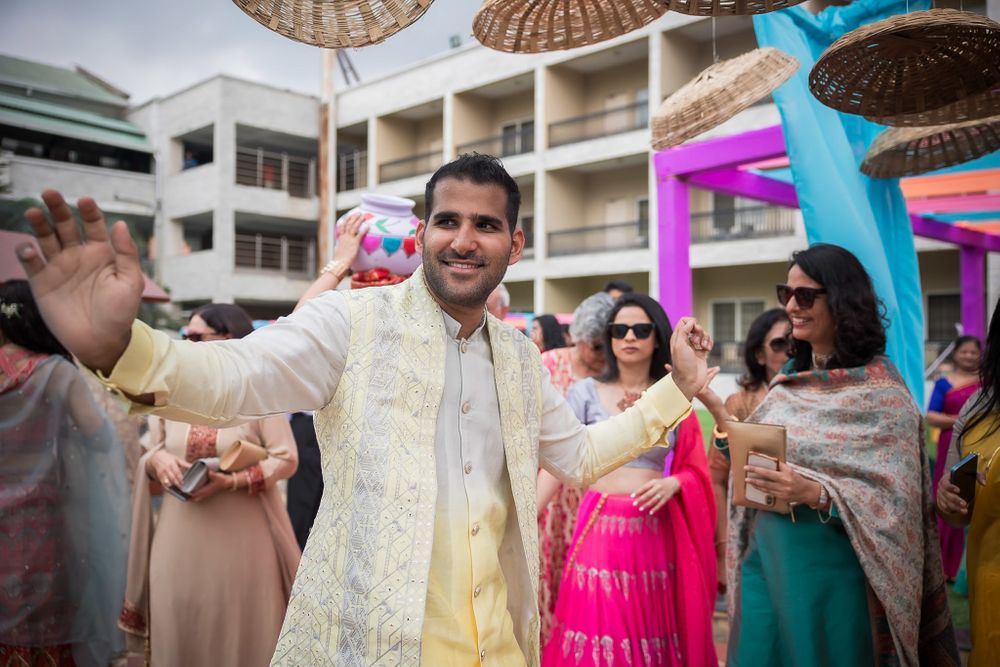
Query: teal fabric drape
[(840, 204)]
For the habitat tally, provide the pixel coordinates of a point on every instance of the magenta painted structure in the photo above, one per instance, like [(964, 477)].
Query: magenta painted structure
[(714, 165)]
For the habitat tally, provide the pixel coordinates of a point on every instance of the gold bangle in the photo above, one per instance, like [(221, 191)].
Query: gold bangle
[(232, 485), (336, 267), (719, 435)]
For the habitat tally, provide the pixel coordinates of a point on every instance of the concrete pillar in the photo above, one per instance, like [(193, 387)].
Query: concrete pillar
[(224, 212), (448, 132), (655, 61)]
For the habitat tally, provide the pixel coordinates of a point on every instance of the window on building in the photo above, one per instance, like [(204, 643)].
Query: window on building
[(517, 138), (732, 319), (641, 107), (944, 311), (724, 212), (528, 227), (724, 321), (642, 217), (749, 310)]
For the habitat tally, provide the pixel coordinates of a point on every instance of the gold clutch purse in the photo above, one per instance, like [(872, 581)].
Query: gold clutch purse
[(241, 455), (761, 445)]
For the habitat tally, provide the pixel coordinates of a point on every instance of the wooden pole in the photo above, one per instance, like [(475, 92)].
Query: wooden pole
[(327, 159)]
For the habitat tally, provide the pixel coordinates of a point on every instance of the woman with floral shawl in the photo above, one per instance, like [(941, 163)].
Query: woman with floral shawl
[(977, 431), (852, 576)]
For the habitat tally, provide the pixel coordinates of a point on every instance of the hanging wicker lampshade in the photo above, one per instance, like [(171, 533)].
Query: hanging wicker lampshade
[(973, 107), (335, 24), (719, 93), (909, 64), (728, 7), (536, 26), (908, 151)]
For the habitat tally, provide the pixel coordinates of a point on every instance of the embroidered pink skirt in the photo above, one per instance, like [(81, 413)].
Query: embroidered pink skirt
[(615, 601)]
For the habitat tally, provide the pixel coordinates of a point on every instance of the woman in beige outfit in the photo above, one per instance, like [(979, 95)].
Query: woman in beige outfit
[(210, 584)]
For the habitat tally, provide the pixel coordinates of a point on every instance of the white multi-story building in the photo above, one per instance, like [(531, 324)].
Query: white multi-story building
[(236, 178), (572, 128)]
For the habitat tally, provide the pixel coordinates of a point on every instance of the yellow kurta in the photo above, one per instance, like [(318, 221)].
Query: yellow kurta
[(983, 554), (372, 363)]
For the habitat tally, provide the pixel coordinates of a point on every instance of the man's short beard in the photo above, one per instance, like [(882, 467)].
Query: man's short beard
[(476, 297)]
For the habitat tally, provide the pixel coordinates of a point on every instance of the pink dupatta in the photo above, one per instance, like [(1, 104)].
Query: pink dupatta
[(692, 523)]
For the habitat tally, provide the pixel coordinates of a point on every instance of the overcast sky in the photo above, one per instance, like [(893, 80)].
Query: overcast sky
[(152, 48)]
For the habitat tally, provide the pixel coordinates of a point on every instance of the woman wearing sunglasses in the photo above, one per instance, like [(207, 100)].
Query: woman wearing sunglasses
[(639, 581), (852, 576), (765, 352), (977, 431), (210, 585)]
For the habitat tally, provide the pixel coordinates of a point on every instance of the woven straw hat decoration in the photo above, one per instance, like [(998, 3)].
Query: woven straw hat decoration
[(728, 7), (335, 24), (909, 64), (719, 93), (973, 107), (537, 26), (909, 151)]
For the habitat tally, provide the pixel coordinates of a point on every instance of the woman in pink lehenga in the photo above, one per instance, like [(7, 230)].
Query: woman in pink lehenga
[(639, 583), (558, 503), (949, 395)]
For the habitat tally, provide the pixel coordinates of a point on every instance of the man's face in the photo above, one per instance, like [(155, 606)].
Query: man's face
[(466, 243)]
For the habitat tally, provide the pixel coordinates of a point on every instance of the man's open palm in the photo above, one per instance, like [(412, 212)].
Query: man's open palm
[(88, 289)]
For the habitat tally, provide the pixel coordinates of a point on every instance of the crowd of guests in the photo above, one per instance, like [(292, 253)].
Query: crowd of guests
[(630, 568)]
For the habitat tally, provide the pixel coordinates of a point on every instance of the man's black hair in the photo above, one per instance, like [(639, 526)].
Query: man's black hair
[(619, 285), (482, 170)]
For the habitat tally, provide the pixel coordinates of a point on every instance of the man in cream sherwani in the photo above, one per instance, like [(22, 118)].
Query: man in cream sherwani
[(432, 418)]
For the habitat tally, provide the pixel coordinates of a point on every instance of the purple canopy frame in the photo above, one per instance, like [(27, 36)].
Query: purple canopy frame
[(714, 165)]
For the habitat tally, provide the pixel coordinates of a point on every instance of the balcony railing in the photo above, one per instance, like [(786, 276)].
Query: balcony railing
[(600, 124), (352, 170), (516, 143), (617, 236), (279, 171), (409, 166), (744, 223), (727, 355), (270, 253)]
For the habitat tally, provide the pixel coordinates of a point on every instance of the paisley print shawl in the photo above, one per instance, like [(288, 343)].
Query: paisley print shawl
[(858, 432)]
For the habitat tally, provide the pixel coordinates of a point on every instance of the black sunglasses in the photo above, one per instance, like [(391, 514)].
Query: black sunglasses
[(805, 297), (641, 330), (778, 345)]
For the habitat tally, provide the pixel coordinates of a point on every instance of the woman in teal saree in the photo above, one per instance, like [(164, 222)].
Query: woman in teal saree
[(853, 575)]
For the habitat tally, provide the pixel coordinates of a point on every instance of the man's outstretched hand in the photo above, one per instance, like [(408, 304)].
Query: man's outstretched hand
[(87, 289)]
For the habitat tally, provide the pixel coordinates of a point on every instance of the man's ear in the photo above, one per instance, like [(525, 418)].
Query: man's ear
[(516, 247), (419, 241)]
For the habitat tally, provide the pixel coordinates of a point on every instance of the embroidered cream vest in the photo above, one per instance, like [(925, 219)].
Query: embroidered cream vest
[(359, 595)]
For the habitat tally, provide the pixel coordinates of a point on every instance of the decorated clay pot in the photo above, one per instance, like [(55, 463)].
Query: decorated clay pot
[(390, 242)]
